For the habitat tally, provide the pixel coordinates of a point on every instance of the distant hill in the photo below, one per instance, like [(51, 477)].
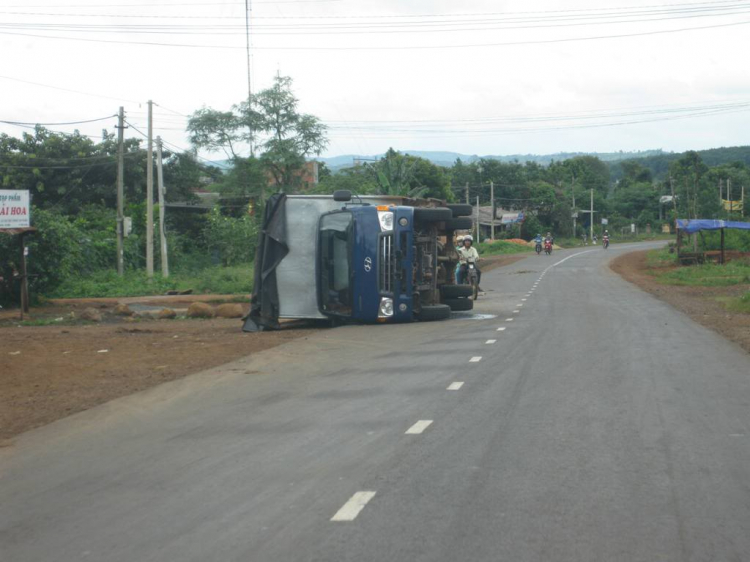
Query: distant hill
[(659, 163), (447, 159)]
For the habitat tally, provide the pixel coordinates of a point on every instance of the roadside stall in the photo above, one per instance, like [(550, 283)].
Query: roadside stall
[(695, 226)]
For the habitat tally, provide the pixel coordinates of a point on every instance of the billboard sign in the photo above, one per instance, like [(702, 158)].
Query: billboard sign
[(14, 209), (512, 218)]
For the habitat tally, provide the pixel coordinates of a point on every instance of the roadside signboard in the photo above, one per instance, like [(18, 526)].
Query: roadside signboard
[(605, 221), (512, 218), (14, 209)]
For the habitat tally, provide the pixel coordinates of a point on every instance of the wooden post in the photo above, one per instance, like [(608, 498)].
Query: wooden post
[(24, 278)]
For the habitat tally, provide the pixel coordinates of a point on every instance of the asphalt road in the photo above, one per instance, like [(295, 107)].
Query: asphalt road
[(594, 423)]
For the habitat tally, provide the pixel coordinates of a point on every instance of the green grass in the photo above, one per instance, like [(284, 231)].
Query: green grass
[(500, 247), (218, 280), (661, 258), (704, 275), (741, 304)]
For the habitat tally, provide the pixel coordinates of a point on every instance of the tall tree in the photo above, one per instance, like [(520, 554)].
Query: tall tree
[(271, 123)]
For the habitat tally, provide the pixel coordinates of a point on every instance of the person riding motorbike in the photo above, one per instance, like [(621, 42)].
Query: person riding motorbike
[(605, 239), (466, 254), (538, 243), (457, 272)]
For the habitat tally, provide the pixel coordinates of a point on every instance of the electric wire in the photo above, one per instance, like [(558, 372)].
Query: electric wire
[(57, 124), (390, 48)]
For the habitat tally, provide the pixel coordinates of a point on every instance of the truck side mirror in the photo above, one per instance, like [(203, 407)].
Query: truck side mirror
[(342, 195)]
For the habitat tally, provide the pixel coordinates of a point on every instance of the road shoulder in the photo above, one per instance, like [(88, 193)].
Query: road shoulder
[(701, 304)]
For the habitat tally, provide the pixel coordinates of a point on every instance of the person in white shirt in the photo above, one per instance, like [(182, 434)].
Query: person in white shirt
[(468, 253)]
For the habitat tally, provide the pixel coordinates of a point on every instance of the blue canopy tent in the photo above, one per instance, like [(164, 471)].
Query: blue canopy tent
[(691, 226)]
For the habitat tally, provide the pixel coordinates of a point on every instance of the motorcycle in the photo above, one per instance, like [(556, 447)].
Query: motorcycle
[(605, 242), (472, 278), (548, 247), (538, 248)]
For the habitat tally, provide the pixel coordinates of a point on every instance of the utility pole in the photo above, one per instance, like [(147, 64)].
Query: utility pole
[(591, 222), (467, 193), (573, 191), (162, 211), (743, 200), (120, 191), (729, 196), (150, 194), (492, 224), (477, 224)]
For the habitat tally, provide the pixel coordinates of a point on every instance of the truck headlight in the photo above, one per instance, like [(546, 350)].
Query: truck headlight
[(386, 220), (386, 308)]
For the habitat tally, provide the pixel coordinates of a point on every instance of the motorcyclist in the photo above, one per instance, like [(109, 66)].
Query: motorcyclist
[(468, 253), (605, 238), (538, 242), (457, 272), (549, 238)]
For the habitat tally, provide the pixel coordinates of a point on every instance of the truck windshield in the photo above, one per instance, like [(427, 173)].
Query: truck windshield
[(335, 267)]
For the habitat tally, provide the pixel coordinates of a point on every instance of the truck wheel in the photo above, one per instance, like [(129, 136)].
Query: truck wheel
[(455, 291), (434, 312), (432, 214), (461, 223), (461, 209), (459, 304)]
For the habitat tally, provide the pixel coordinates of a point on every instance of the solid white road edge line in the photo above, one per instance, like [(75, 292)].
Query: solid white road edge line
[(418, 427), (455, 385), (351, 509)]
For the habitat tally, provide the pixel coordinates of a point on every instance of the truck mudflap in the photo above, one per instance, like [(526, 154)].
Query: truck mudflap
[(272, 248)]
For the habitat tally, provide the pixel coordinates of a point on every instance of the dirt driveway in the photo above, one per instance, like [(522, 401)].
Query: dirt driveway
[(702, 304)]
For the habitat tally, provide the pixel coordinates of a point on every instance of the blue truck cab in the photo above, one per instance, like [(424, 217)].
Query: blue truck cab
[(365, 263), (372, 259)]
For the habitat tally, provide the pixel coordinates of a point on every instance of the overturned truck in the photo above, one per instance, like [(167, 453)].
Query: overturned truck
[(357, 259)]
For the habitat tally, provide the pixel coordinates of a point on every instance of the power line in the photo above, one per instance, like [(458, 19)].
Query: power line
[(67, 89), (177, 4), (57, 124), (380, 27), (391, 48), (682, 5)]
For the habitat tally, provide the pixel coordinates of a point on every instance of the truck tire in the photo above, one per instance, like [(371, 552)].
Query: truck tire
[(434, 312), (455, 291), (432, 214), (460, 304), (461, 223), (461, 209)]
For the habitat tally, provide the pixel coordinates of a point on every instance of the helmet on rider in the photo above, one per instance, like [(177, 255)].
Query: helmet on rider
[(468, 238)]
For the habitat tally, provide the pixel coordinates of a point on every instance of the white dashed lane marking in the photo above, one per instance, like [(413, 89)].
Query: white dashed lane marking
[(418, 427), (475, 359), (501, 329), (516, 311), (351, 509), (523, 300), (509, 319), (455, 385), (490, 341)]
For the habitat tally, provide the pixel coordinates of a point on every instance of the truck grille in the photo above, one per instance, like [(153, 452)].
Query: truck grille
[(387, 264)]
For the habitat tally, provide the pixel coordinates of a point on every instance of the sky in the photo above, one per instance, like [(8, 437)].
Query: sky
[(474, 77)]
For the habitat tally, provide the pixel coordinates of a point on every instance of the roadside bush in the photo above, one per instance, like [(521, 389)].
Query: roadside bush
[(55, 253), (233, 239)]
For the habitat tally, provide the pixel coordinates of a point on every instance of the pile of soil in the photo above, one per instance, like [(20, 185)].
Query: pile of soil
[(702, 304)]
